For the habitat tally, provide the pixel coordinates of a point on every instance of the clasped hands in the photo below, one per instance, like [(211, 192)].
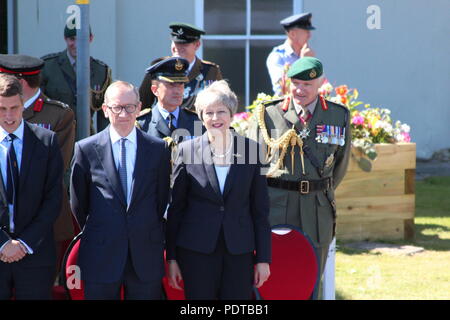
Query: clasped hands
[(13, 251)]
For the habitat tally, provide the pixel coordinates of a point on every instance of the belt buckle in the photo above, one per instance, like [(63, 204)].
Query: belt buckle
[(304, 187)]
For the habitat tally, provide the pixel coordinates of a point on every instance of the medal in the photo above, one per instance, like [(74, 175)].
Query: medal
[(333, 135), (326, 136), (342, 140), (304, 133)]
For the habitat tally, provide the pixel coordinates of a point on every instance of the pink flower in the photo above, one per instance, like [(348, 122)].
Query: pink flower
[(241, 116), (358, 120), (406, 137)]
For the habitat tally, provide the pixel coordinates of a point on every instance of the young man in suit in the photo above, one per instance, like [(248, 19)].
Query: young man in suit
[(50, 114), (119, 192), (30, 199)]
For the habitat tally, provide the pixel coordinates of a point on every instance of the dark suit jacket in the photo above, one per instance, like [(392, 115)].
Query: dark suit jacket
[(198, 210), (39, 196), (110, 228)]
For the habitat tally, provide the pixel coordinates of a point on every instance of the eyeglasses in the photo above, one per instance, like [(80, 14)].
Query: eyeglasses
[(117, 109)]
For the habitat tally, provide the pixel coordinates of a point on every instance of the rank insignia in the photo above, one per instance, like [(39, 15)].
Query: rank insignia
[(178, 65), (329, 161)]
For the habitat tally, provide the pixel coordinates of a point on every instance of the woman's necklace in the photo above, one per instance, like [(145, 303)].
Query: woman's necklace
[(227, 152)]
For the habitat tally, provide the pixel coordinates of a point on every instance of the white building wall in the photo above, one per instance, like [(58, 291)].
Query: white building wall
[(404, 66)]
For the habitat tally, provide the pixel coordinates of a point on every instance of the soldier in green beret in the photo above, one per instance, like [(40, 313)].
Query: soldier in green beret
[(59, 77), (185, 43), (308, 143)]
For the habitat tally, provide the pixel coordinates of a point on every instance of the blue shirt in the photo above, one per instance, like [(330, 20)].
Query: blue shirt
[(165, 114), (279, 57), (131, 149)]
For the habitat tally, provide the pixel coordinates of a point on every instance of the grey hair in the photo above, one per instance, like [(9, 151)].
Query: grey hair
[(218, 92), (120, 83)]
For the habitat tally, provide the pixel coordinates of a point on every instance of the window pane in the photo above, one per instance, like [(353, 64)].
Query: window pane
[(224, 17), (266, 15), (259, 76), (230, 56)]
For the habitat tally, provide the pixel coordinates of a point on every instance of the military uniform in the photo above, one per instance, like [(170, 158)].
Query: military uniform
[(202, 74), (283, 56), (301, 188), (179, 124), (152, 122), (59, 82), (58, 117)]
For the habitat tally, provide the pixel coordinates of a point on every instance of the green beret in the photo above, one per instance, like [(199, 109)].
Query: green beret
[(72, 32), (306, 68)]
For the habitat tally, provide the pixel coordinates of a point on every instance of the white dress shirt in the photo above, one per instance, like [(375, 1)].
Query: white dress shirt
[(131, 147)]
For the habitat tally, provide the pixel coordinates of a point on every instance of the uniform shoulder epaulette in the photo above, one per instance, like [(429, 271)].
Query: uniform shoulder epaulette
[(51, 56), (337, 105), (210, 63), (144, 112), (273, 101), (100, 62), (190, 111), (56, 103)]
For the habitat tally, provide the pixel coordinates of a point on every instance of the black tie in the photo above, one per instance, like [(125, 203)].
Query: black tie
[(170, 124), (12, 172)]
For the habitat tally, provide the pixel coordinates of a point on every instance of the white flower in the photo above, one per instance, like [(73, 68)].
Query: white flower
[(405, 128)]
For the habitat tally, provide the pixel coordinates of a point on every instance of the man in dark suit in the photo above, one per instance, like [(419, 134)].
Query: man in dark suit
[(167, 119), (50, 114), (30, 199), (119, 192)]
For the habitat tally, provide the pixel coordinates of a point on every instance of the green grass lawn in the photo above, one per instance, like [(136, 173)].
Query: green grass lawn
[(362, 275)]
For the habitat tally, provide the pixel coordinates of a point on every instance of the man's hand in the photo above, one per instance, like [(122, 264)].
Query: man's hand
[(306, 51), (13, 251), (175, 275)]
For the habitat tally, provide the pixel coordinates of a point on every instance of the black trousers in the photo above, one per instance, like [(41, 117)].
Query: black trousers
[(24, 282), (134, 288), (216, 276)]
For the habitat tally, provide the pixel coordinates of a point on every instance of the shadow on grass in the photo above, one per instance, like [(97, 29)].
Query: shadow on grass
[(341, 295), (431, 241)]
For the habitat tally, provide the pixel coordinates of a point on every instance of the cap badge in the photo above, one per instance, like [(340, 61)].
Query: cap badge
[(313, 73), (178, 65), (180, 31)]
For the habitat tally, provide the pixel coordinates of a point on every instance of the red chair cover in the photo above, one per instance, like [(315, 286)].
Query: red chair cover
[(294, 268)]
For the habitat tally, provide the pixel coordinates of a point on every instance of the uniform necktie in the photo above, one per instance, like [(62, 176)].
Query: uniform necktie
[(12, 171), (123, 167), (170, 122), (305, 116)]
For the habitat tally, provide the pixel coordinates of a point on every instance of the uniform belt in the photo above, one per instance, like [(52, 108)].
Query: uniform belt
[(302, 186)]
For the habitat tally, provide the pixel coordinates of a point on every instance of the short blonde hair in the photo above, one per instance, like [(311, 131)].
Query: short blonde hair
[(218, 92)]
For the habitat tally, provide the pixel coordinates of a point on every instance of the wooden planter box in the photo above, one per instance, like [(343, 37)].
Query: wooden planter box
[(379, 205)]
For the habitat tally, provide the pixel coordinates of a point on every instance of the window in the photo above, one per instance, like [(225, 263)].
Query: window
[(239, 36)]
